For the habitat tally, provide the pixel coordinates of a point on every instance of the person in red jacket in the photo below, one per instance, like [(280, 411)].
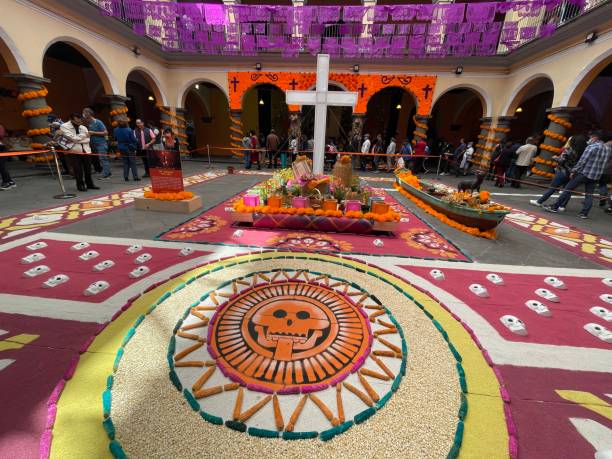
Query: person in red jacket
[(418, 156)]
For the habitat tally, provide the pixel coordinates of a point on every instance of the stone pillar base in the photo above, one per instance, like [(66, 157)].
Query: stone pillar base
[(554, 140)]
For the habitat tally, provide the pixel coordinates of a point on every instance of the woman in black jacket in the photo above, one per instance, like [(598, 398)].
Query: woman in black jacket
[(502, 163)]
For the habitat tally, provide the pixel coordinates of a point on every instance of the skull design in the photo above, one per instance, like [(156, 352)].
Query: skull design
[(599, 331), (37, 246), (286, 326), (378, 243), (238, 233), (134, 248), (479, 290), (437, 274), (495, 279), (80, 246), (96, 287), (185, 252), (514, 324), (140, 259), (32, 258), (89, 255), (139, 272), (555, 282), (56, 280), (602, 312), (547, 295), (404, 219), (538, 307), (104, 265), (36, 271), (606, 297), (607, 281)]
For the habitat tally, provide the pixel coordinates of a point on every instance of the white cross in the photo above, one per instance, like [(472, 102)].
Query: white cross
[(321, 98)]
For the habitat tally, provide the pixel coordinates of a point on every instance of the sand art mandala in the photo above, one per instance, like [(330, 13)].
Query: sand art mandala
[(305, 241)]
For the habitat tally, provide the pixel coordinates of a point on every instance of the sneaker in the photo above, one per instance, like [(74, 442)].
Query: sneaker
[(561, 209), (534, 202), (608, 210), (12, 184), (105, 178), (583, 216), (5, 186), (550, 209)]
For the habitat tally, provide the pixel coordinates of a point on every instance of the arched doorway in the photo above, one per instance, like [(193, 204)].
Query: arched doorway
[(529, 109), (596, 103), (75, 83), (264, 108), (144, 97), (390, 113), (208, 113), (339, 122), (455, 115), (10, 114)]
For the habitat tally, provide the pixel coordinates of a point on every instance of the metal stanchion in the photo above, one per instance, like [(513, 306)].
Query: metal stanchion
[(208, 152), (439, 161), (64, 195)]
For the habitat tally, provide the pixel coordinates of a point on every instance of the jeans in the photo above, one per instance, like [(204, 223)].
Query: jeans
[(589, 188), (247, 159), (559, 180), (603, 185), (104, 161), (129, 163)]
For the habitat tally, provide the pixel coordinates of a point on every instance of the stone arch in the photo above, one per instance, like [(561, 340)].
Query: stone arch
[(154, 84), (11, 54), (483, 96), (582, 81), (403, 88), (519, 93), (182, 94), (332, 82), (254, 86), (104, 73)]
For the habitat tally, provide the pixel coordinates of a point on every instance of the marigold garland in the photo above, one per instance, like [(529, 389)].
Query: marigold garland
[(560, 121), (33, 94), (35, 132), (179, 196), (542, 173), (552, 135), (540, 160), (36, 112), (116, 122), (489, 234), (550, 148), (37, 146), (118, 111)]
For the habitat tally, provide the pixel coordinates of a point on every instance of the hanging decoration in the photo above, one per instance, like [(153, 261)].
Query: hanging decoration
[(381, 31)]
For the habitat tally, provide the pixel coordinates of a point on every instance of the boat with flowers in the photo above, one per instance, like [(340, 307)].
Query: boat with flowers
[(296, 199), (472, 210)]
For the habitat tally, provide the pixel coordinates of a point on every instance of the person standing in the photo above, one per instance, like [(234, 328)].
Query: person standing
[(587, 171), (293, 147), (458, 154), (406, 151), (126, 143), (158, 138), (272, 144), (170, 141), (98, 143), (502, 163), (377, 148), (365, 149), (565, 163), (525, 155), (255, 157), (391, 151), (420, 152), (246, 144), (145, 138), (78, 136), (466, 161), (7, 181)]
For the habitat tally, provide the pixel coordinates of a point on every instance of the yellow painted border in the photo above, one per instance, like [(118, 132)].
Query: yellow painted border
[(78, 431)]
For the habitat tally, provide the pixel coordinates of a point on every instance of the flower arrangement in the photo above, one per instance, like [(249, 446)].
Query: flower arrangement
[(550, 148), (36, 112), (552, 135), (559, 121), (118, 111), (179, 196), (33, 94), (35, 132)]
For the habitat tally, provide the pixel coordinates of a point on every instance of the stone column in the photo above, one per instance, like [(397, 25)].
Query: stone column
[(181, 129), (554, 140), (420, 132), (357, 131), (236, 133), (32, 94), (480, 147), (497, 134), (166, 116), (118, 108)]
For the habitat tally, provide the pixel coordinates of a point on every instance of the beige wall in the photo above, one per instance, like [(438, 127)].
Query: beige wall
[(112, 57)]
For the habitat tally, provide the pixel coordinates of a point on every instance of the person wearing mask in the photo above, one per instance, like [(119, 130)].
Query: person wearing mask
[(391, 151), (587, 171), (169, 140), (146, 139), (78, 136), (7, 181), (365, 149), (272, 144), (98, 143), (565, 163), (466, 161), (458, 154), (126, 144), (502, 163), (524, 159)]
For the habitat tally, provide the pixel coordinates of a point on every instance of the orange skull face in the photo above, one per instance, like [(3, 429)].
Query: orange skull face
[(287, 325)]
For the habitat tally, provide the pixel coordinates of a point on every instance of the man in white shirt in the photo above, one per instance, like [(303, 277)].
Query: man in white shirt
[(78, 135), (391, 151), (525, 155), (365, 149)]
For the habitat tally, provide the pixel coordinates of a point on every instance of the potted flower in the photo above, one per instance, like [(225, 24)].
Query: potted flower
[(330, 203), (274, 201)]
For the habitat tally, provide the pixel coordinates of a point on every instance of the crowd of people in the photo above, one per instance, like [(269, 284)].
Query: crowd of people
[(83, 145)]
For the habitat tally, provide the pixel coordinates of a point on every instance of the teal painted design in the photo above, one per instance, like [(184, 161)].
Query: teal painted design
[(116, 450), (262, 433)]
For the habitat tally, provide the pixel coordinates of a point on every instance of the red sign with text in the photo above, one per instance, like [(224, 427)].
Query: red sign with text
[(165, 170)]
